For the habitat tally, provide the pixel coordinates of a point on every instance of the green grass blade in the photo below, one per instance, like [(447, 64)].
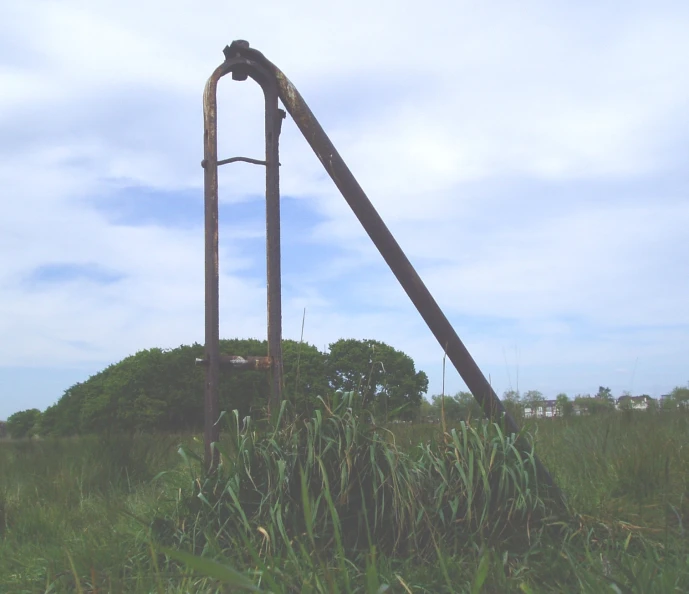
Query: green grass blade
[(212, 569)]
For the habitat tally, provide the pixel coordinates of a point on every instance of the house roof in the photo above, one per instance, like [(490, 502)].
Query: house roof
[(634, 398), (546, 403)]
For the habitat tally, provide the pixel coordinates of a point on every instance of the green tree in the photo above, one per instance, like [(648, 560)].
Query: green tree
[(511, 402), (564, 404), (594, 405), (453, 410), (304, 374), (23, 423), (605, 394), (680, 396), (427, 412), (533, 398), (386, 378), (159, 389), (625, 403), (62, 418), (163, 390), (459, 407), (470, 407)]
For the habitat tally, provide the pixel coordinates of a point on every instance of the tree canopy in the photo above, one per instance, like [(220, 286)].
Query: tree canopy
[(679, 397), (22, 423), (386, 377), (459, 407), (162, 390)]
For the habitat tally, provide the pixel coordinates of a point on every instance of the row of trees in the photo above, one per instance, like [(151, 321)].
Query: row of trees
[(602, 401), (463, 405), (162, 390)]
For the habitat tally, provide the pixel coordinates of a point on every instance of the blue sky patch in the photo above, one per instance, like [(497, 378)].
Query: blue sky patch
[(138, 206), (70, 271)]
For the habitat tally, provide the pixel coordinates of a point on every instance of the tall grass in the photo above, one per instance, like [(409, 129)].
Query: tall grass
[(631, 459), (328, 495), (334, 502), (59, 506)]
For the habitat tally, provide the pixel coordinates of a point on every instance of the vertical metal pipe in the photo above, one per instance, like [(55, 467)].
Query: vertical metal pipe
[(273, 125), (212, 338)]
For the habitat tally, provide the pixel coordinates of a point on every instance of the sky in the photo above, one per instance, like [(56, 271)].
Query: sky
[(530, 158)]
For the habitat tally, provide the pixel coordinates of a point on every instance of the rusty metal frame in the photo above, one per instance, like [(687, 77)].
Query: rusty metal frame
[(240, 68), (252, 62)]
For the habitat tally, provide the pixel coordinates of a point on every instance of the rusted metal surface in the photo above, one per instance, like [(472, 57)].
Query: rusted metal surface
[(240, 68), (211, 408), (384, 241), (241, 363), (244, 61), (237, 160), (274, 117), (238, 363)]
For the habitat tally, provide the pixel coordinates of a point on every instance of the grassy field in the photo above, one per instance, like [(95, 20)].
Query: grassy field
[(334, 504)]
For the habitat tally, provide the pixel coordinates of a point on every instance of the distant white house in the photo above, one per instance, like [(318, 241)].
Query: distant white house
[(634, 402), (542, 409)]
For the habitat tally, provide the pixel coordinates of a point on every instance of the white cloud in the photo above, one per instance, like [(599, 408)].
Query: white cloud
[(528, 158)]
